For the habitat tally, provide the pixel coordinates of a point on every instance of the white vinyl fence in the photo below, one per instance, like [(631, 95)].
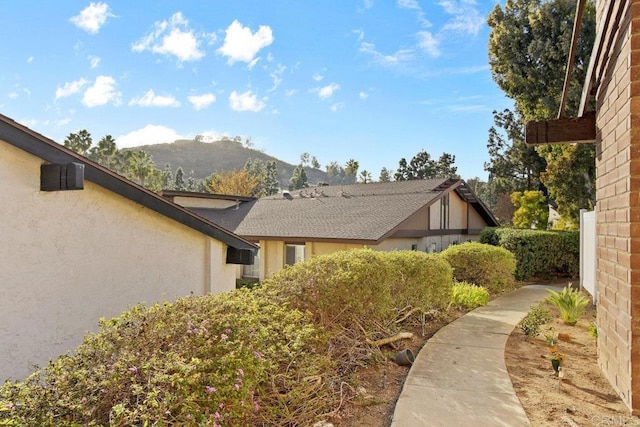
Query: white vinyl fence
[(588, 260)]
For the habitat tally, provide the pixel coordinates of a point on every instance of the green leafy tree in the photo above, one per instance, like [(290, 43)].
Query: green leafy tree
[(365, 176), (140, 166), (304, 159), (422, 166), (298, 179), (532, 209), (528, 47), (335, 173), (315, 163), (271, 184), (351, 170), (179, 183), (105, 152), (167, 177), (385, 175), (79, 142)]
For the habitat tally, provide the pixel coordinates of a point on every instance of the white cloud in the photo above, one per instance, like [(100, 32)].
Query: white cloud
[(428, 43), (102, 92), (317, 77), (92, 17), (246, 101), (202, 101), (30, 60), (413, 5), (466, 17), (409, 4), (363, 95), (401, 56), (327, 91), (94, 61), (276, 75), (290, 92), (150, 99), (173, 37), (70, 88), (337, 106), (13, 95), (240, 45), (150, 134)]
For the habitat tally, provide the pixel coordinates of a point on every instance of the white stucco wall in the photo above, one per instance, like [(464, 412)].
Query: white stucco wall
[(68, 258)]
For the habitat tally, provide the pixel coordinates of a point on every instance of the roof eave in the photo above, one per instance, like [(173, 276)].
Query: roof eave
[(50, 151)]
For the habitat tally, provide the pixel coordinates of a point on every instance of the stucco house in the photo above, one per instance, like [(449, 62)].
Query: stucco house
[(80, 242), (613, 78), (424, 215)]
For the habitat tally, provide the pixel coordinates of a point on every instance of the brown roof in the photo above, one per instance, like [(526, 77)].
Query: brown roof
[(359, 212), (50, 151)]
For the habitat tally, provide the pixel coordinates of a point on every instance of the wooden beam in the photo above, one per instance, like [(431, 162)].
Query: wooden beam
[(562, 131), (572, 56)]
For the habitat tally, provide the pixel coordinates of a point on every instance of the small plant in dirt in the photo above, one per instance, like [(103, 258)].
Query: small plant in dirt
[(537, 316), (489, 266), (593, 329), (551, 338), (469, 296), (570, 302)]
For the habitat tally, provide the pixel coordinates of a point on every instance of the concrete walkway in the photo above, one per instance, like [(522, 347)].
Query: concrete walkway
[(459, 378)]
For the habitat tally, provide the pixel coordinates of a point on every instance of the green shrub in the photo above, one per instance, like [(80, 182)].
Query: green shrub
[(570, 303), (536, 317), (358, 295), (484, 265), (418, 279), (489, 236), (469, 296), (540, 253), (231, 359)]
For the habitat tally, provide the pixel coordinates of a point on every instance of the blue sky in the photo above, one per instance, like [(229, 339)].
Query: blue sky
[(371, 80)]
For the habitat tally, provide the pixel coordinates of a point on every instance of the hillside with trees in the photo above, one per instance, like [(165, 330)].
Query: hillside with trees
[(206, 158)]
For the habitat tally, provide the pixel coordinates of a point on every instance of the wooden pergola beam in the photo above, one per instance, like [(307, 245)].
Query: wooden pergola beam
[(572, 130)]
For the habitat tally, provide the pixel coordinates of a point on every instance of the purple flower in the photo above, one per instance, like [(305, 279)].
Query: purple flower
[(224, 336), (217, 415), (221, 405), (241, 372), (133, 369), (237, 386), (258, 354), (210, 389)]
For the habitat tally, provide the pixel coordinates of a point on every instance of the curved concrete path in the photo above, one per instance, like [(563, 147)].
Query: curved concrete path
[(459, 378)]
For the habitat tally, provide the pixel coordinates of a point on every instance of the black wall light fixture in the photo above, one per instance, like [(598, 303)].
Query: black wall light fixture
[(61, 177)]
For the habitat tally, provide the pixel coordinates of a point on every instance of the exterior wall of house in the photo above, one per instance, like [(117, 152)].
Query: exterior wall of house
[(271, 257), (434, 216), (475, 220), (418, 221), (69, 258), (457, 212), (618, 208)]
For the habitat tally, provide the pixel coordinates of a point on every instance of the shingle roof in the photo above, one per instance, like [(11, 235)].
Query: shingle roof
[(365, 212), (48, 150)]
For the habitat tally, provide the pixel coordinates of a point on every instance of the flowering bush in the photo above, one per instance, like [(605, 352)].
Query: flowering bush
[(213, 360)]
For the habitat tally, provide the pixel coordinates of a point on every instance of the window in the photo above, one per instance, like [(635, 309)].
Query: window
[(293, 254), (444, 212), (252, 270)]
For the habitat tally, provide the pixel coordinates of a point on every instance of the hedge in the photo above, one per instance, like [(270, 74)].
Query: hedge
[(539, 253), (483, 265)]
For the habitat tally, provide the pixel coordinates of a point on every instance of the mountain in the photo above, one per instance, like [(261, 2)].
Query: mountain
[(205, 158)]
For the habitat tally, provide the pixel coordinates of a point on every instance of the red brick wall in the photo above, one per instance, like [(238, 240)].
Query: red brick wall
[(618, 207)]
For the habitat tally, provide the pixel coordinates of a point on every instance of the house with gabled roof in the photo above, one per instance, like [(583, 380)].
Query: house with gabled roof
[(424, 215), (80, 242)]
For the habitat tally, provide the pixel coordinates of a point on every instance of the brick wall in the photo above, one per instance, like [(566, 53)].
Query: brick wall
[(618, 207)]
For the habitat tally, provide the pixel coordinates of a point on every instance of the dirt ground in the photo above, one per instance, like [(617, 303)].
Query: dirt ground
[(582, 398)]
